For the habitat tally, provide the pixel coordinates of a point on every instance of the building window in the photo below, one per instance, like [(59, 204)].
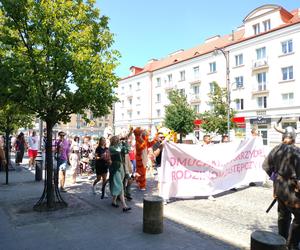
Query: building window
[(158, 112), (130, 101), (196, 73), (106, 124), (267, 25), (122, 116), (256, 29), (196, 89), (130, 87), (261, 53), (239, 60), (239, 104), (122, 88), (138, 102), (288, 98), (122, 103), (100, 124), (196, 108), (157, 97), (138, 113), (212, 67), (182, 75), (211, 87), (261, 81), (138, 85), (129, 114), (287, 47), (287, 73), (158, 82), (170, 78), (262, 102), (239, 82)]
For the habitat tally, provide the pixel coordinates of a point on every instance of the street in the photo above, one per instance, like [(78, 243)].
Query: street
[(225, 223)]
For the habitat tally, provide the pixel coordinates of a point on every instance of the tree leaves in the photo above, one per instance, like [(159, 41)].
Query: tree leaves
[(215, 119), (179, 116)]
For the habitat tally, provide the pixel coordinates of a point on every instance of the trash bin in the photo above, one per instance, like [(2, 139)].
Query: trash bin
[(153, 215), (39, 166)]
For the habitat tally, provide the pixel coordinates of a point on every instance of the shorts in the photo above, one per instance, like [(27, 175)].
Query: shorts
[(32, 153), (62, 165), (100, 170)]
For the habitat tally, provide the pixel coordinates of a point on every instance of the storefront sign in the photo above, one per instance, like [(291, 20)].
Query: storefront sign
[(260, 120)]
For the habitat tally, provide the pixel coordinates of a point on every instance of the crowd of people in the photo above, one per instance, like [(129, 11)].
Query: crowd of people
[(117, 160), (120, 160)]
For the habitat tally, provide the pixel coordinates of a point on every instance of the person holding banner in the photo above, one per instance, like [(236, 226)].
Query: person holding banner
[(283, 166), (206, 140), (158, 148)]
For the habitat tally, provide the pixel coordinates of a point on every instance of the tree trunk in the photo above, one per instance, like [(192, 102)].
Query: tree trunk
[(180, 137), (49, 166), (51, 198)]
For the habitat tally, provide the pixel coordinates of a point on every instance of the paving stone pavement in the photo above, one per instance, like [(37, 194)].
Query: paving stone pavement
[(89, 222)]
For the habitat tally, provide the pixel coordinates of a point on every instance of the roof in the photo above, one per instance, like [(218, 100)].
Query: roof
[(289, 18)]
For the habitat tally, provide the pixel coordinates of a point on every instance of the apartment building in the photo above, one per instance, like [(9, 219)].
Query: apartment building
[(78, 126), (257, 63)]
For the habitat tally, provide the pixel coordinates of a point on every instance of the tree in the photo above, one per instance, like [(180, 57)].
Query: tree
[(215, 120), (179, 116), (12, 117), (60, 62)]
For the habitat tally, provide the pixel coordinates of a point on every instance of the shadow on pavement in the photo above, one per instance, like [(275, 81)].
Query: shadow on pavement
[(88, 221)]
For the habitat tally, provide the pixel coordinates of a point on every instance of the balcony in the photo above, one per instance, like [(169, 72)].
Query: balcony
[(169, 86), (195, 98), (260, 64), (260, 89), (195, 82)]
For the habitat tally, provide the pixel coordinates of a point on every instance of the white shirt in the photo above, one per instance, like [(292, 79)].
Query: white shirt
[(33, 142)]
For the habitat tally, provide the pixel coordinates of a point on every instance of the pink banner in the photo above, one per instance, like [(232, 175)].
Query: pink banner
[(195, 170)]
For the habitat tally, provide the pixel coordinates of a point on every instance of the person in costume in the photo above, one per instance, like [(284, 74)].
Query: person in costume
[(142, 144), (283, 166)]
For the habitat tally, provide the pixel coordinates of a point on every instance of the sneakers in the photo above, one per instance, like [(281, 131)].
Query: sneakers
[(62, 190), (211, 198), (126, 209)]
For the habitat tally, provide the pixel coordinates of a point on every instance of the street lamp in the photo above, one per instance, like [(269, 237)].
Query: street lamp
[(226, 55)]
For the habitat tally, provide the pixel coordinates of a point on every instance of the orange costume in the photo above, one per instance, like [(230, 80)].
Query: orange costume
[(141, 144)]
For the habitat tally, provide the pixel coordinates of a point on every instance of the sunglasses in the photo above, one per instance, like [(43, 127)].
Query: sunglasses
[(161, 137)]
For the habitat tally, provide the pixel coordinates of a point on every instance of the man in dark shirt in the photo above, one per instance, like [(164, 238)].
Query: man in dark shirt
[(157, 149)]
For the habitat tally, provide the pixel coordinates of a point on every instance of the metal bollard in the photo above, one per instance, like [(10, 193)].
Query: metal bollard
[(153, 215), (39, 166), (264, 240)]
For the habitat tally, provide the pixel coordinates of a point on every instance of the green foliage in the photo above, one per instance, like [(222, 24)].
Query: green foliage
[(215, 120), (56, 60), (56, 57), (179, 116), (12, 117)]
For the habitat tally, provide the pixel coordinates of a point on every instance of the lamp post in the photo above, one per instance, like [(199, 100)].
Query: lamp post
[(226, 55)]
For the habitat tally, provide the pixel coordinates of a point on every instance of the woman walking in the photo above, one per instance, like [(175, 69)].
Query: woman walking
[(20, 146), (116, 172), (102, 163)]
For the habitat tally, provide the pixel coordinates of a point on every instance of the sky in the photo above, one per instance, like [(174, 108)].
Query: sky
[(147, 29)]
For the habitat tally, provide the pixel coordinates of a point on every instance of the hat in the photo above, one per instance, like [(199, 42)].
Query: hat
[(61, 133)]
